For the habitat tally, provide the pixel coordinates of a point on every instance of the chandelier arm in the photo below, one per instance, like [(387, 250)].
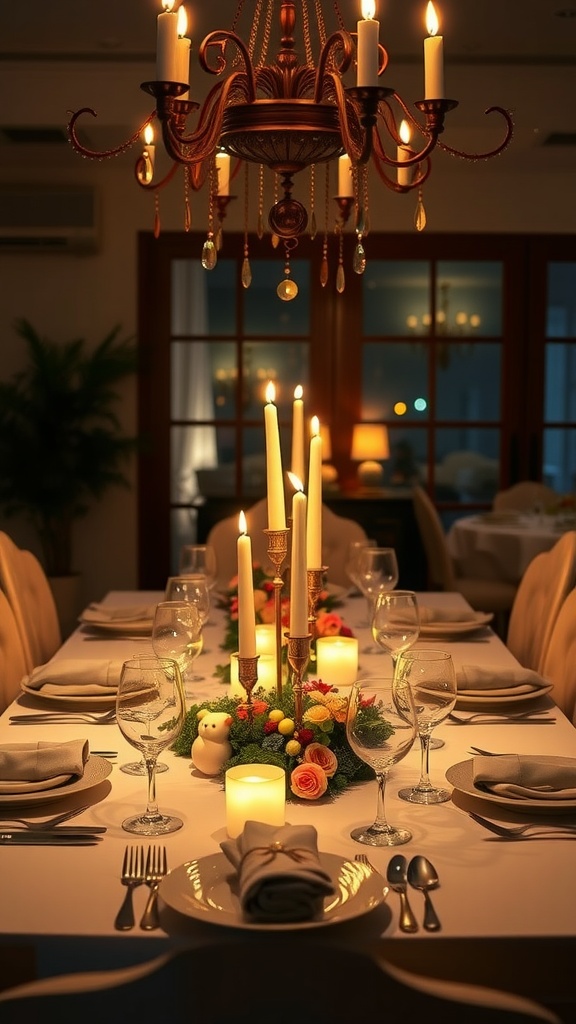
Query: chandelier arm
[(218, 39), (337, 41), (139, 171), (493, 152), (205, 139), (416, 158), (93, 154), (420, 177)]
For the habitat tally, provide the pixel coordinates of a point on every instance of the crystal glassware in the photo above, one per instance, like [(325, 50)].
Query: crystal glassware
[(377, 573), (199, 560), (177, 634), (396, 621), (431, 676)]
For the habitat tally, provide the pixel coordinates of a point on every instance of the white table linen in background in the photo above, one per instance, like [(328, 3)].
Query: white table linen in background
[(502, 551)]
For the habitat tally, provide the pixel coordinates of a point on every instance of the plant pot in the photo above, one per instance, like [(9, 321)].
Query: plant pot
[(68, 600)]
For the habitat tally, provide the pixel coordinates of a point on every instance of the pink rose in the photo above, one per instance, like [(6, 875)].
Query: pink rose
[(328, 624), (308, 781), (325, 758)]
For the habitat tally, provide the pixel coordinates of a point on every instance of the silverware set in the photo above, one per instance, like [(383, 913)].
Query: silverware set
[(136, 872), (496, 718), (50, 832), (421, 875), (63, 717), (528, 830)]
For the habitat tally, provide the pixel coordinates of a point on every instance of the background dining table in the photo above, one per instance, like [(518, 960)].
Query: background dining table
[(507, 908), (499, 545)]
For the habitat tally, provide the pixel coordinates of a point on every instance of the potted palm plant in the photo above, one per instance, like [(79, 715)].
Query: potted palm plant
[(61, 443)]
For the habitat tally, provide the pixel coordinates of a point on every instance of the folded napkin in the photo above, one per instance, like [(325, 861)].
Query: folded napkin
[(524, 777), (102, 613), (429, 614), (280, 877), (473, 680), (27, 767), (69, 677)]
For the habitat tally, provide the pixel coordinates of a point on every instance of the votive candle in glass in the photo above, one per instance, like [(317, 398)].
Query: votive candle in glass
[(254, 792), (337, 660)]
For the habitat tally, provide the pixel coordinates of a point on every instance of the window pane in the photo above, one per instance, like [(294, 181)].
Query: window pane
[(468, 382), (202, 462), (203, 302), (264, 312), (394, 381), (561, 312), (203, 380), (396, 297), (560, 460), (285, 363), (467, 464), (469, 298), (408, 457), (560, 383)]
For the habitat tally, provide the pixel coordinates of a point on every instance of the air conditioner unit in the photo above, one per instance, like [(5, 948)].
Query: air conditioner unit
[(48, 218)]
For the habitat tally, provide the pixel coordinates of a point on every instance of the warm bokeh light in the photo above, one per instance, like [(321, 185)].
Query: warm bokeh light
[(420, 405), (400, 408)]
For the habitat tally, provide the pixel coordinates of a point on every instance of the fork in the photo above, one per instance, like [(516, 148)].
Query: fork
[(156, 868), (39, 826), (86, 717), (131, 876), (529, 829), (527, 717)]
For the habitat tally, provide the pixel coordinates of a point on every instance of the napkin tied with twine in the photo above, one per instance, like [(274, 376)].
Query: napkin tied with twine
[(71, 677), (475, 680), (526, 777), (28, 767), (279, 874)]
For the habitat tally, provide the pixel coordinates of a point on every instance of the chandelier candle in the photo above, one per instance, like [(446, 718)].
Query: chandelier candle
[(246, 614), (297, 466), (404, 153), (345, 177), (274, 482), (433, 57), (166, 44), (183, 53), (149, 151), (367, 52), (314, 519), (223, 172)]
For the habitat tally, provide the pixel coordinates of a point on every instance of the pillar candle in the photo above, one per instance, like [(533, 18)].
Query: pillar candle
[(298, 574), (297, 467), (266, 638), (314, 519), (275, 484), (246, 615), (337, 660), (433, 57), (254, 792), (223, 174), (166, 40), (367, 55), (345, 177), (183, 53), (404, 153)]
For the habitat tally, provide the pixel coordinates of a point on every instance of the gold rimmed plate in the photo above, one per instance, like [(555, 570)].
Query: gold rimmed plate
[(96, 770)]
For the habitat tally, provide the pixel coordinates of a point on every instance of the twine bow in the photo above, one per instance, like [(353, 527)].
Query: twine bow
[(271, 852)]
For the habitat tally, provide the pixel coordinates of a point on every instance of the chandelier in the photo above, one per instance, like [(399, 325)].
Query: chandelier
[(285, 116)]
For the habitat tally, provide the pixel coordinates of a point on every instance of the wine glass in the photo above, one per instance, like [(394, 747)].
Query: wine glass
[(432, 678), (351, 564), (377, 573), (199, 560), (193, 588), (177, 634), (381, 727), (150, 710), (396, 621)]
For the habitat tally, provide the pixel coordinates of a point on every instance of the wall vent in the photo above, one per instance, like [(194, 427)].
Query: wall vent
[(48, 218)]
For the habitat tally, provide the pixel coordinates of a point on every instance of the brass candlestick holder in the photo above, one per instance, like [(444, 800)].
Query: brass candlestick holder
[(315, 585), (248, 677), (277, 551), (298, 657)]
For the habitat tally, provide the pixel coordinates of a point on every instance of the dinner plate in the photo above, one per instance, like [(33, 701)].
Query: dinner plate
[(119, 627), (201, 889), (461, 776), (96, 770), (499, 698), (449, 629), (91, 702)]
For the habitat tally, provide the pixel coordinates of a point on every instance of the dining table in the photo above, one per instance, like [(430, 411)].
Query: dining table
[(501, 545), (507, 908)]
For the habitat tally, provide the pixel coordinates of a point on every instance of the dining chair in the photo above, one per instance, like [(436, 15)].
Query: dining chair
[(254, 982), (559, 665), (13, 665), (544, 587), (26, 586), (486, 595), (525, 496), (337, 533)]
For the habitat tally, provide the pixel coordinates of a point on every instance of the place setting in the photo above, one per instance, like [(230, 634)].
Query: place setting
[(519, 782), (41, 772), (75, 683), (118, 620), (481, 687)]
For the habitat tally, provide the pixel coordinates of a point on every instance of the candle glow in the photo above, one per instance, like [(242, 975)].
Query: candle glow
[(166, 43), (148, 154), (246, 612), (254, 792), (404, 153), (367, 53), (433, 57)]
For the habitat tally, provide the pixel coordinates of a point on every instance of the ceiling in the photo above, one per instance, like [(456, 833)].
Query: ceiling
[(60, 55)]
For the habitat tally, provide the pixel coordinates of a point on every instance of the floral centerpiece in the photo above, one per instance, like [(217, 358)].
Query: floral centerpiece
[(316, 755)]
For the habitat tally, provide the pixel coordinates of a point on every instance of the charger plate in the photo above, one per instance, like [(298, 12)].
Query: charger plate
[(201, 889), (491, 700), (461, 776), (96, 770)]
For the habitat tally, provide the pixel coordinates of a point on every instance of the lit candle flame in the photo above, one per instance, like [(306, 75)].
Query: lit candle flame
[(368, 9), (296, 483), (167, 4), (405, 132), (148, 135), (298, 391), (182, 21), (270, 391), (432, 24), (314, 426), (242, 527)]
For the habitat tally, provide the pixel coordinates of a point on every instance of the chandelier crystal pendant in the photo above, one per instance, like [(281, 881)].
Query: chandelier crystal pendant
[(286, 116)]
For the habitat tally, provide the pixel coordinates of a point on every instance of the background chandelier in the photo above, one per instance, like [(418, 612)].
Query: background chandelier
[(287, 116)]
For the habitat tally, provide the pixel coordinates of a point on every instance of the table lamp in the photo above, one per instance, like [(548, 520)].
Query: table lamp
[(369, 446), (329, 472)]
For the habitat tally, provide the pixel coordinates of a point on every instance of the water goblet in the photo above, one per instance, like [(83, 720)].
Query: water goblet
[(351, 564), (396, 621), (150, 709), (377, 573), (199, 560), (193, 588), (381, 727), (432, 678), (177, 634)]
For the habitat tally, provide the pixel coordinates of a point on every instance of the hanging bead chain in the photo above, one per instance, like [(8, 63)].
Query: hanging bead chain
[(260, 225), (157, 214), (420, 214), (287, 289), (246, 269), (360, 188), (324, 264), (187, 213), (209, 252), (275, 238), (313, 229)]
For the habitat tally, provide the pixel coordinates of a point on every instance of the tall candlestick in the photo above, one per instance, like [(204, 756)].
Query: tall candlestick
[(223, 174), (297, 467), (166, 40), (433, 57), (275, 483), (367, 55), (183, 52), (314, 521), (404, 153), (298, 574), (345, 177), (246, 614)]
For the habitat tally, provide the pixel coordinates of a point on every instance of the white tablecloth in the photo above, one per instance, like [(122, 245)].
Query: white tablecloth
[(507, 909), (501, 551)]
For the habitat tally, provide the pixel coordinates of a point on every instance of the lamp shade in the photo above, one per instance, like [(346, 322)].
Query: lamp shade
[(370, 441)]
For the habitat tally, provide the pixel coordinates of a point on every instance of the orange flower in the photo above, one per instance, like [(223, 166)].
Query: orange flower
[(336, 704), (328, 624), (325, 758), (308, 781)]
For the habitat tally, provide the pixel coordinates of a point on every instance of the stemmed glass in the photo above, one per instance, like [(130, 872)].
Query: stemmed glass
[(199, 560), (177, 634), (150, 710), (351, 564), (396, 621), (377, 573), (381, 727), (432, 678)]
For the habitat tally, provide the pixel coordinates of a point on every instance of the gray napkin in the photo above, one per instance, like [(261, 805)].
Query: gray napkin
[(27, 767), (104, 613), (70, 677), (280, 877), (475, 681), (527, 777), (429, 614)]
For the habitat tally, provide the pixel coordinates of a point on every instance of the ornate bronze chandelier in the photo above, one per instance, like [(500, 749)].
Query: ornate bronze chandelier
[(286, 116)]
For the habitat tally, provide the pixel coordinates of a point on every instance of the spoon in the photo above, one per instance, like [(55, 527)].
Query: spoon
[(397, 878), (422, 875)]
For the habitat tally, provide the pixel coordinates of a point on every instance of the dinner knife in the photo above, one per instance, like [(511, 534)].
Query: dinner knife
[(57, 830), (47, 838)]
